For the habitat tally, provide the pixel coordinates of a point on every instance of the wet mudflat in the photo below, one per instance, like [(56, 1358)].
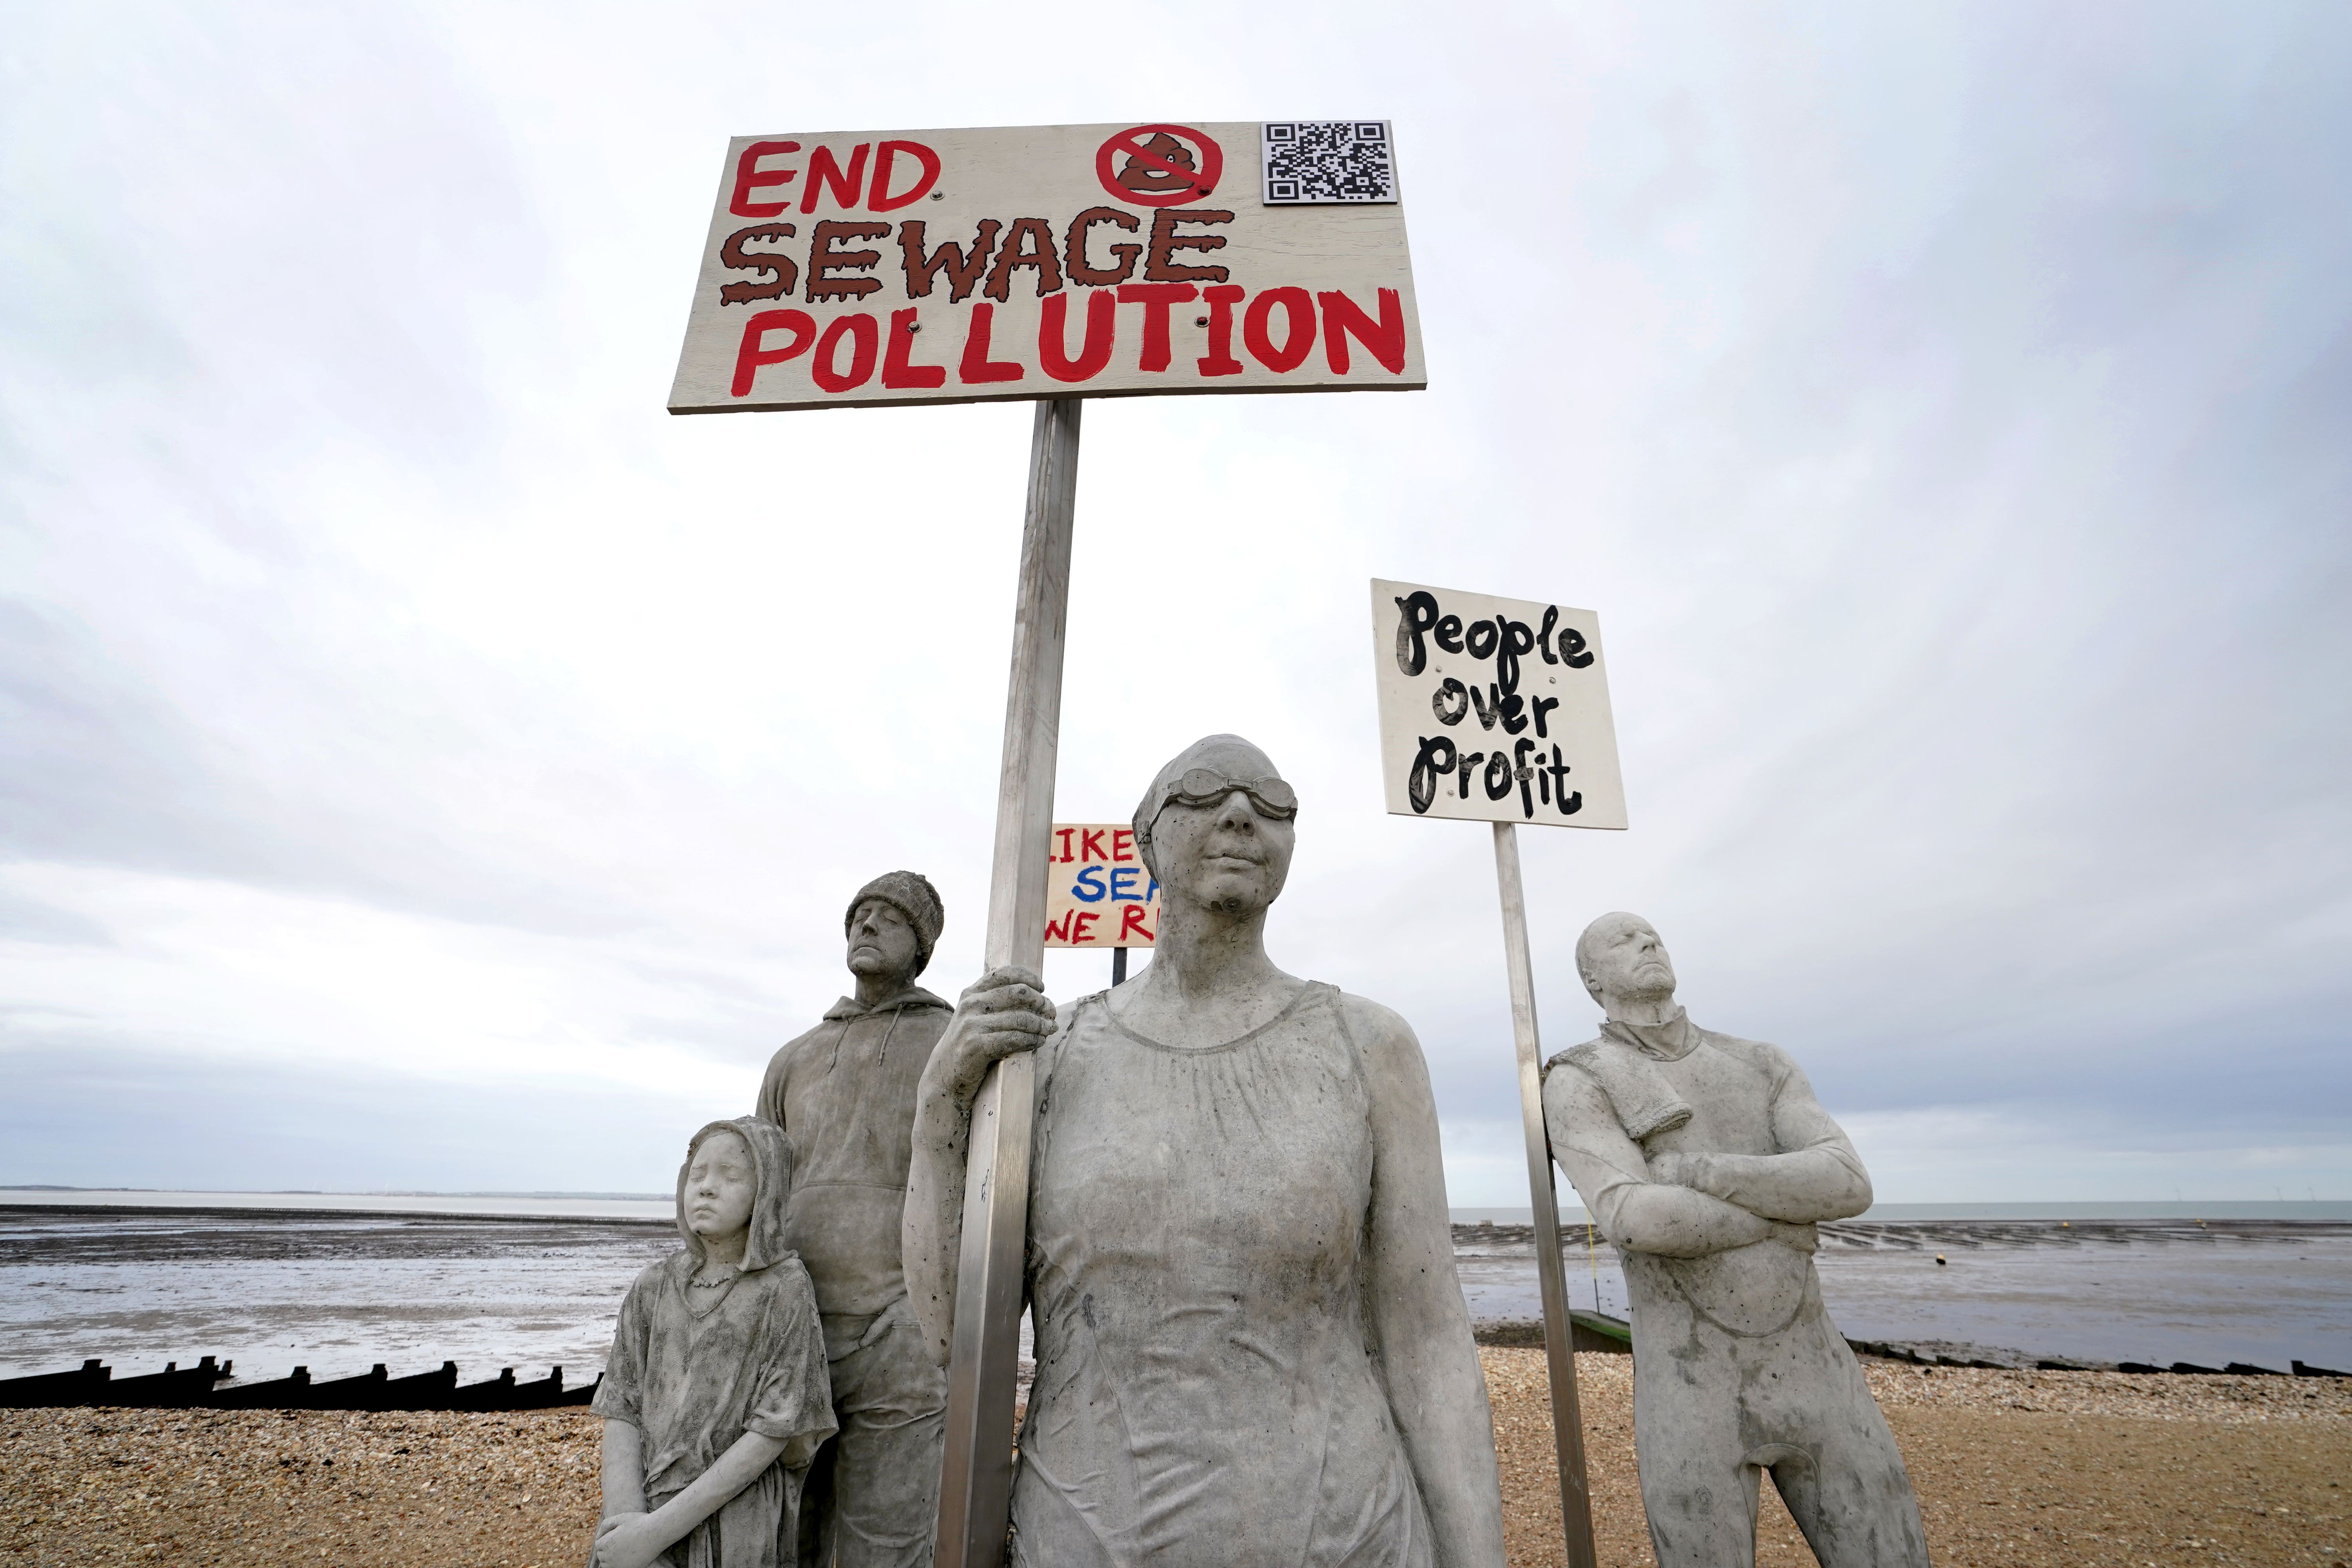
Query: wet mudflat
[(335, 1293), (2014, 1469), (2259, 1291), (338, 1292)]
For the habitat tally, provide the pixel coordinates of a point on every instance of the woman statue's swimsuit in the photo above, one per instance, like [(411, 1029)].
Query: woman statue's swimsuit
[(1196, 1222)]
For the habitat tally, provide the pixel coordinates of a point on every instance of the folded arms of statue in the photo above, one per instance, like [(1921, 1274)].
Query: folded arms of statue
[(1691, 1203)]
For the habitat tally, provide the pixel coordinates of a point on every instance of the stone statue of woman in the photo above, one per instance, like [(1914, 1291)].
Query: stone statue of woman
[(1252, 1348)]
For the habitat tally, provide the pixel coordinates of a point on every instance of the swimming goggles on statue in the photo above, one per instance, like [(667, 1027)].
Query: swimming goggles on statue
[(1206, 786)]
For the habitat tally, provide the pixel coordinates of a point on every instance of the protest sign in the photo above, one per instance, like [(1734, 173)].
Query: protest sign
[(875, 268), (1494, 710), (1098, 893)]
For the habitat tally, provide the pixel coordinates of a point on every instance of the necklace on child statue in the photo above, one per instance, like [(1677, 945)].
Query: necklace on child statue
[(728, 1279)]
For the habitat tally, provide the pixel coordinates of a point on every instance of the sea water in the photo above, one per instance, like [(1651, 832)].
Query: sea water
[(491, 1280), (2151, 1290)]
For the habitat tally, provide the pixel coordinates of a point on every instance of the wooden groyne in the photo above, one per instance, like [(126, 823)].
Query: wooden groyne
[(208, 1385)]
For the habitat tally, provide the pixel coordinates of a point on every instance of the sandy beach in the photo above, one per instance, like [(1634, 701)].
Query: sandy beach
[(2014, 1470)]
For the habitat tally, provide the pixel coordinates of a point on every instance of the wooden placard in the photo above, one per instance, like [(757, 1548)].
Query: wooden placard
[(1494, 710), (876, 268), (1098, 893)]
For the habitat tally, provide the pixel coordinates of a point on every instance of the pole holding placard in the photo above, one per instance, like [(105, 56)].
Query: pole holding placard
[(976, 1473), (1532, 665), (1566, 1425)]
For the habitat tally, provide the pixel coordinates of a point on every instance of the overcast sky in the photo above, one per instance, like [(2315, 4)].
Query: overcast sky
[(427, 763)]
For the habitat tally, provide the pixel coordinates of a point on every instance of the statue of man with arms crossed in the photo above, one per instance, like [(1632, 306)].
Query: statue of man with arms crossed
[(1706, 1161)]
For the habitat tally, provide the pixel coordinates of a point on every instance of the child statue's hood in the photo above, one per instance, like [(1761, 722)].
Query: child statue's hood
[(772, 1166)]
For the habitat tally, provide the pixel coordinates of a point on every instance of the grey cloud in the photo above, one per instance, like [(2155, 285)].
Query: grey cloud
[(27, 919), (1943, 408), (107, 1114)]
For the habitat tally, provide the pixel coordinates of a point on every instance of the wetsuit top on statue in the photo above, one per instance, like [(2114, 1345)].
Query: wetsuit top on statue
[(1203, 1398), (845, 1095), (1745, 1115)]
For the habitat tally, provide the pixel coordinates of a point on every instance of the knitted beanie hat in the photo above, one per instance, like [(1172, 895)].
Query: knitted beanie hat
[(912, 894)]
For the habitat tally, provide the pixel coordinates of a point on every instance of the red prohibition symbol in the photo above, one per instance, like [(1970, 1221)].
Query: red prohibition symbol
[(1166, 166)]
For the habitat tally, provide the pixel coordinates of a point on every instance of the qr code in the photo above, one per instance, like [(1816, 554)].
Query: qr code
[(1309, 161)]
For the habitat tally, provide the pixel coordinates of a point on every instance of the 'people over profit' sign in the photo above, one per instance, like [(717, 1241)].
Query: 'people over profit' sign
[(1098, 893), (891, 267), (1494, 710)]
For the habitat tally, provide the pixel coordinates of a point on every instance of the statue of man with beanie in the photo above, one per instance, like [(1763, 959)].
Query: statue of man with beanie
[(845, 1095)]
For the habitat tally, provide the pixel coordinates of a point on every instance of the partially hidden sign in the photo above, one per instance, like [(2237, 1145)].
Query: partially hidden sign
[(873, 267), (1098, 893), (1494, 710)]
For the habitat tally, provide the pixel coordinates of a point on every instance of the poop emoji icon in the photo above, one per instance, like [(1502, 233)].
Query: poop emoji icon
[(1160, 165), (1170, 166)]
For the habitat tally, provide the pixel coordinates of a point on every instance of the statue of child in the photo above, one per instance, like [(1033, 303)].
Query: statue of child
[(715, 1398)]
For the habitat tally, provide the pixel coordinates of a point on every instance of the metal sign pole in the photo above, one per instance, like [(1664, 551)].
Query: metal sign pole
[(976, 1473), (1566, 1425)]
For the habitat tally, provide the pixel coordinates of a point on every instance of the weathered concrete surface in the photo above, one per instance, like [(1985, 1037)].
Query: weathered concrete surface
[(1245, 1343), (845, 1094), (1706, 1161)]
